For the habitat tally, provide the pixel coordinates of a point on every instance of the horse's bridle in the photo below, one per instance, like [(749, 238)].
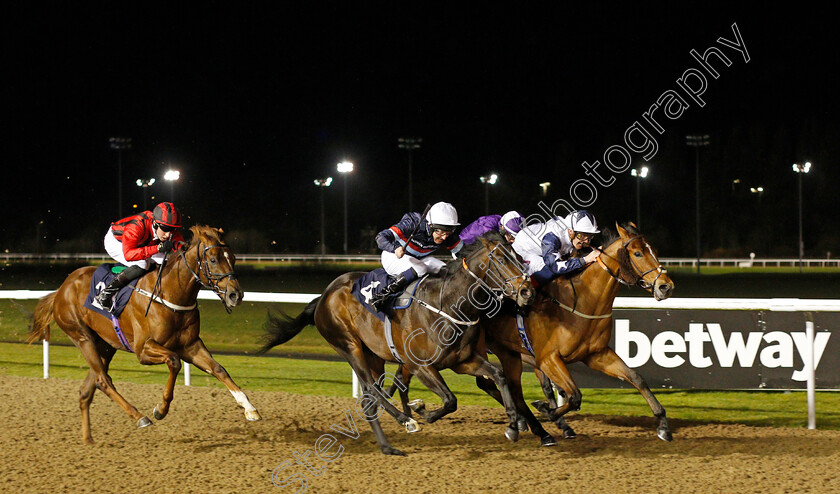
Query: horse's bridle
[(640, 282), (203, 268)]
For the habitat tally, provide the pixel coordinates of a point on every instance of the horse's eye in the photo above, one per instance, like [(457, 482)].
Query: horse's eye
[(637, 254), (212, 260)]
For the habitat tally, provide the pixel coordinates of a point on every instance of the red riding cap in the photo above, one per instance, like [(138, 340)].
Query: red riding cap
[(166, 214)]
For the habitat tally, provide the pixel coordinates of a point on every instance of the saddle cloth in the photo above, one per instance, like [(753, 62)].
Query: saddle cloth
[(101, 277), (374, 282)]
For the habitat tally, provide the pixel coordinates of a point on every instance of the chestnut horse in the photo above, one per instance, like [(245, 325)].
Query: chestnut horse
[(438, 331), (571, 321), (167, 334)]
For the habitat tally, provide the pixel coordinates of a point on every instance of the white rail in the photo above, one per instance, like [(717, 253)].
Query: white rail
[(363, 258)]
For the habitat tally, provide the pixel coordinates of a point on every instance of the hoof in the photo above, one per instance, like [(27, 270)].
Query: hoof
[(548, 441), (512, 434), (412, 426), (390, 450), (252, 415), (569, 433), (417, 405), (522, 424), (665, 435), (144, 422), (158, 415)]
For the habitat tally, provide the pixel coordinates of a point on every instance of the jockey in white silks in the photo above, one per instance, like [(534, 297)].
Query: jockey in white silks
[(408, 245), (546, 248)]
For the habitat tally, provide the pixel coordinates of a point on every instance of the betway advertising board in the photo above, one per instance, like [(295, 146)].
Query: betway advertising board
[(720, 349)]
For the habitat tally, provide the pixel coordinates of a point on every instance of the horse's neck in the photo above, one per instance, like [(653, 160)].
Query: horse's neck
[(451, 293), (177, 283), (594, 289)]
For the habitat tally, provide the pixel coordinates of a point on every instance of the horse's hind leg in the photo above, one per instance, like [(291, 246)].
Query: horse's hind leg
[(102, 381), (86, 392), (198, 355), (479, 366), (152, 353), (608, 362)]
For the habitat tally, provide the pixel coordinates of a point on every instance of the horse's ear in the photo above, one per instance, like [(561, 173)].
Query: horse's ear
[(633, 225), (622, 231)]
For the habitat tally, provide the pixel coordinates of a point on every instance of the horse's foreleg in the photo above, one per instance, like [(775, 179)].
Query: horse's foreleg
[(152, 353), (556, 370), (198, 355), (551, 403), (512, 367), (479, 366), (608, 362)]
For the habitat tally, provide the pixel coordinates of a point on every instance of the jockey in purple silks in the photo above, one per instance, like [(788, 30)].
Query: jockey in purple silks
[(508, 225)]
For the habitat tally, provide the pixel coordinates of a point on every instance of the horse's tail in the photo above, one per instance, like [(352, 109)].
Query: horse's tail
[(40, 326), (281, 327)]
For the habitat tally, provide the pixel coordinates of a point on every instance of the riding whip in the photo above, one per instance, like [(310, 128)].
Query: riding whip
[(157, 283), (425, 212)]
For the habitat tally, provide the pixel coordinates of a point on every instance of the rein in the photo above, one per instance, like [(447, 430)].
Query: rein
[(213, 279), (640, 277), (498, 293)]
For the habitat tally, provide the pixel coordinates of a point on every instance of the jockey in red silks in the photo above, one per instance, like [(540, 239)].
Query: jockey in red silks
[(136, 240)]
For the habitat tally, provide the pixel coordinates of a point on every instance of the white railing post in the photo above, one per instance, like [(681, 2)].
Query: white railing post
[(46, 359), (811, 372), (187, 376), (357, 387)]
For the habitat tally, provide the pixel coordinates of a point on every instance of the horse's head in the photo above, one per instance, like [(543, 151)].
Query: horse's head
[(639, 265), (214, 262), (495, 264)]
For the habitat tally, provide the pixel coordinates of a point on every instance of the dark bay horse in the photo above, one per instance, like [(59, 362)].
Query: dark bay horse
[(571, 321), (423, 340), (167, 335)]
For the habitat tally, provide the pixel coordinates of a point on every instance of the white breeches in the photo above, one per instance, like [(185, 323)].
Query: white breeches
[(395, 266), (114, 248)]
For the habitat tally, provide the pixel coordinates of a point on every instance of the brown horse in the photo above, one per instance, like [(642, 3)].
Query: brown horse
[(571, 321), (167, 334), (424, 338)]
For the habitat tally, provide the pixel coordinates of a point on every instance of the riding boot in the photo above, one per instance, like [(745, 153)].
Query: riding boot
[(393, 288), (123, 278)]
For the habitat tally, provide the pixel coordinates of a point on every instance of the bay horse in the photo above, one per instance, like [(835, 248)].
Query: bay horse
[(424, 338), (168, 334), (570, 321)]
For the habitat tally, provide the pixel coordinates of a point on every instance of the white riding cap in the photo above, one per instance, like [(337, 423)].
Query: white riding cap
[(582, 221), (512, 222), (442, 214)]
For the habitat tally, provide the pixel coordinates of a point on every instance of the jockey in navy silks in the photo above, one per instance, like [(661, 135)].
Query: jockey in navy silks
[(508, 225), (546, 248), (407, 257)]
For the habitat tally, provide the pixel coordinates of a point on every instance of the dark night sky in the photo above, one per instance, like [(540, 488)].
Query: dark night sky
[(252, 103)]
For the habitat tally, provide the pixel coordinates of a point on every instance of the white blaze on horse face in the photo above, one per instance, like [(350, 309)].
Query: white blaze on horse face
[(650, 249), (227, 257), (240, 398)]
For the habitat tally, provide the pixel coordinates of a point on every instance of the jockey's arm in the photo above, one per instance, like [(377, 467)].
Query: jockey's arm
[(132, 244)]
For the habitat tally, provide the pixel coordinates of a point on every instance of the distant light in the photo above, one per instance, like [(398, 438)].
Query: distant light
[(323, 182), (802, 168), (756, 189), (345, 167), (489, 180), (639, 173), (172, 175)]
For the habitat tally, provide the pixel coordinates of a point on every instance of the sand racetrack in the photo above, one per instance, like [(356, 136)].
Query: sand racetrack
[(205, 445)]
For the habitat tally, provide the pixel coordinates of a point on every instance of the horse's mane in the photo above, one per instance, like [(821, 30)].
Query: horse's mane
[(468, 250), (206, 234), (611, 236)]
